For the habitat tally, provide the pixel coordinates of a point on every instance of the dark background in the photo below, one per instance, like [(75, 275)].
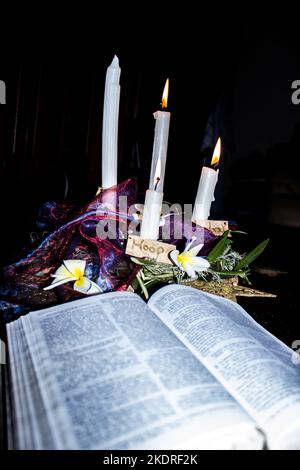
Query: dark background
[(230, 70)]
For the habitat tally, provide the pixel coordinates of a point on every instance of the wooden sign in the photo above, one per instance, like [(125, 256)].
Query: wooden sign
[(152, 249), (217, 227)]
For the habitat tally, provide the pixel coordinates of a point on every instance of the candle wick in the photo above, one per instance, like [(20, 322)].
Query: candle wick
[(156, 184)]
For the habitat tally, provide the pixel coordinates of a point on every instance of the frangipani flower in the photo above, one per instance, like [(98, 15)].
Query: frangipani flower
[(188, 260), (73, 270)]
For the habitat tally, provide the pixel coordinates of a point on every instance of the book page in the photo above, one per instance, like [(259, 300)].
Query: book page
[(35, 428), (253, 365), (113, 376)]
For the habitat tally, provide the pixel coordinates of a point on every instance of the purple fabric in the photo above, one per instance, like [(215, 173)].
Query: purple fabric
[(74, 235)]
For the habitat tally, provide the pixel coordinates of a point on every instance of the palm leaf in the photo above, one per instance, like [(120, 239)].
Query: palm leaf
[(219, 249), (252, 255)]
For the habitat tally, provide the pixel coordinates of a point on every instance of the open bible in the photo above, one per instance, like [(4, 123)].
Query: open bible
[(187, 370)]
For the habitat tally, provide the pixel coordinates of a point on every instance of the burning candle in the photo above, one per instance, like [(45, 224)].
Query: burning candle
[(206, 188), (110, 125), (154, 195)]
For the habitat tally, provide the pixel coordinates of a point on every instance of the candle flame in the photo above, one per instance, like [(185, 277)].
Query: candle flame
[(217, 153), (164, 101)]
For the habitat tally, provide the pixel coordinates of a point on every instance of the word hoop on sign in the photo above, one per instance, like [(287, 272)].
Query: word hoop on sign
[(152, 249)]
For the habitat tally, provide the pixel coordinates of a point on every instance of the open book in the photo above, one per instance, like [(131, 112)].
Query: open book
[(188, 370)]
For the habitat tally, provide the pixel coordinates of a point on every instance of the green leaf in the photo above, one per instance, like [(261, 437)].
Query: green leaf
[(142, 286), (135, 284), (219, 249), (142, 262), (153, 282), (252, 255)]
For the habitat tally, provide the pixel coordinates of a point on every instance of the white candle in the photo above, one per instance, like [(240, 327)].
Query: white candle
[(206, 188), (154, 195), (110, 125), (151, 214)]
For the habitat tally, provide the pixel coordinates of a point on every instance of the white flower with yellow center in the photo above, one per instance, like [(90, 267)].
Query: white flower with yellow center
[(188, 260), (73, 270)]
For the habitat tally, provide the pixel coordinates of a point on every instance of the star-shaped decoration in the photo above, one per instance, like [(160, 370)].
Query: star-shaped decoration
[(228, 288)]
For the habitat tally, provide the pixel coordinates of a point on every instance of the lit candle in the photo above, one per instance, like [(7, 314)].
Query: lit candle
[(154, 195), (206, 188), (110, 125)]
